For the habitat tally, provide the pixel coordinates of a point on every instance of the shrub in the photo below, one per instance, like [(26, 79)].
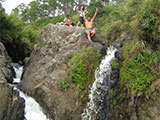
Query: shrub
[(83, 66), (148, 20), (139, 70)]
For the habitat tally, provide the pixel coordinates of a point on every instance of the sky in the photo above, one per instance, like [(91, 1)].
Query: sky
[(11, 4)]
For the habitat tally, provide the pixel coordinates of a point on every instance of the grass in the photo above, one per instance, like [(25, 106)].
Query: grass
[(139, 69), (82, 67), (115, 64), (64, 84)]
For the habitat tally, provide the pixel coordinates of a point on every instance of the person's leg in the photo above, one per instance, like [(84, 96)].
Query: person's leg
[(78, 23), (81, 25), (82, 21), (93, 33), (89, 36)]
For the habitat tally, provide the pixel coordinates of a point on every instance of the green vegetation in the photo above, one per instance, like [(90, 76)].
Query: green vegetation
[(148, 19), (18, 41), (140, 65), (138, 17), (83, 66), (115, 64), (64, 84), (19, 37), (140, 68), (42, 8), (36, 27)]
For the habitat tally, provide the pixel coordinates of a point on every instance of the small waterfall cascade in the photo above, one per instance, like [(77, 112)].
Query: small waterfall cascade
[(33, 111), (98, 105)]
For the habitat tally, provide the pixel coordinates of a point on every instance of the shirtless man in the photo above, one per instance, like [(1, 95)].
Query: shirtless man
[(89, 25), (68, 21)]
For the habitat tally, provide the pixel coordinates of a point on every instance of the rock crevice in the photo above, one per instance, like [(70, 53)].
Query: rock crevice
[(11, 105)]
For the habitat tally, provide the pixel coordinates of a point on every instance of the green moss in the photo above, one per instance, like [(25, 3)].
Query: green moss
[(64, 84), (83, 66), (115, 64), (139, 70)]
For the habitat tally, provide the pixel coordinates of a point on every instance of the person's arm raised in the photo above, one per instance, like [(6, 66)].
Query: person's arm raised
[(83, 15), (95, 14), (77, 10), (86, 11)]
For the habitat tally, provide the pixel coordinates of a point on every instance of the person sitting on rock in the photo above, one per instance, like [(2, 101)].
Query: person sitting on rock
[(68, 21), (81, 20), (89, 25)]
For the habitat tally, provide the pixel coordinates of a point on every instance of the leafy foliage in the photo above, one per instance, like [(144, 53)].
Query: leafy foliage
[(139, 70), (115, 64), (64, 84), (83, 66), (149, 22), (14, 37)]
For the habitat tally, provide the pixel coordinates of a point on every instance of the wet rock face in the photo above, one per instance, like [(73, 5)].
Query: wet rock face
[(11, 105), (49, 65)]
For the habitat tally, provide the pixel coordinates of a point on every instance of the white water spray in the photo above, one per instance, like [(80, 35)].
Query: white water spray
[(33, 111), (98, 104)]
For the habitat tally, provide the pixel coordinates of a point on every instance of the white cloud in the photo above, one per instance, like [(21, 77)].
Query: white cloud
[(11, 4)]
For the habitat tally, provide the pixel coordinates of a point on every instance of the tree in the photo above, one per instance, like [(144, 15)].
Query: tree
[(66, 5), (20, 11), (1, 8)]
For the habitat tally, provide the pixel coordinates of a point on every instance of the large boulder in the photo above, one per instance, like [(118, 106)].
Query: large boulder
[(11, 105), (48, 65), (5, 73)]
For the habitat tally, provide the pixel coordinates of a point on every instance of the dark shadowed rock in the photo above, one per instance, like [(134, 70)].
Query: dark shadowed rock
[(5, 73), (48, 66), (11, 105)]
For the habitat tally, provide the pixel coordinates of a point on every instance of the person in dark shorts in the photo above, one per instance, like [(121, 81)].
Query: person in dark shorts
[(81, 20)]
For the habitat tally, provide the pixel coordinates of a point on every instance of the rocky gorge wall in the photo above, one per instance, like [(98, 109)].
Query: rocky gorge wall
[(49, 65), (11, 105)]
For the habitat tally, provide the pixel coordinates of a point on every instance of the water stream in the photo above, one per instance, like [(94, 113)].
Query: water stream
[(98, 105), (33, 111)]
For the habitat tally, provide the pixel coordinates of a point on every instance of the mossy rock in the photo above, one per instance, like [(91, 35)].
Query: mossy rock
[(82, 67)]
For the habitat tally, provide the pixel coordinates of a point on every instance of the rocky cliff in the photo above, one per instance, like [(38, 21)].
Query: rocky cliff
[(50, 74), (49, 65), (11, 105)]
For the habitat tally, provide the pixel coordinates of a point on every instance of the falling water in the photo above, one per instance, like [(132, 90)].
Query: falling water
[(98, 105), (32, 109)]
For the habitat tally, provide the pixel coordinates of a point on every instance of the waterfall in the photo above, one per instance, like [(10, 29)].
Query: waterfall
[(33, 111), (98, 105)]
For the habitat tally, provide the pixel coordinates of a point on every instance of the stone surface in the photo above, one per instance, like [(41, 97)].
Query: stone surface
[(5, 72), (11, 105), (48, 66)]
